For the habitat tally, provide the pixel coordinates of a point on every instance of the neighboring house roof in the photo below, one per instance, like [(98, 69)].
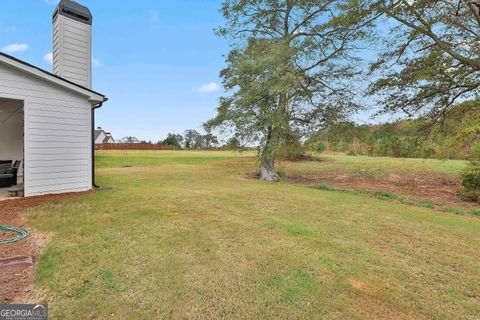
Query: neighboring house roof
[(94, 97), (97, 133), (107, 139)]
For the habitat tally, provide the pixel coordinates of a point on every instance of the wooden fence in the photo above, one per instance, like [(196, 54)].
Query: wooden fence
[(131, 146)]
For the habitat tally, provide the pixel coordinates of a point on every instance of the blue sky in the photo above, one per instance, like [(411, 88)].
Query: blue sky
[(157, 61)]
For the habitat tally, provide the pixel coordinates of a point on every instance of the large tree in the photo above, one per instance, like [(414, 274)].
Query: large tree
[(289, 70), (173, 139), (193, 139), (432, 60), (129, 139)]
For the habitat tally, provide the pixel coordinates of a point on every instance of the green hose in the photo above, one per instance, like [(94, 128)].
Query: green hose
[(23, 233)]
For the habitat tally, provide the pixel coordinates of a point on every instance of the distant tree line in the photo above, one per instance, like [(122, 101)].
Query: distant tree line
[(190, 139), (455, 138)]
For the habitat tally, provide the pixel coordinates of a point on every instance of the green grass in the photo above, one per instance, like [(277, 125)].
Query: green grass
[(373, 166), (182, 236), (141, 158), (323, 186), (457, 211)]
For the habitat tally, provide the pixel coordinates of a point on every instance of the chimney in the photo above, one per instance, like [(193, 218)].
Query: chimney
[(72, 43)]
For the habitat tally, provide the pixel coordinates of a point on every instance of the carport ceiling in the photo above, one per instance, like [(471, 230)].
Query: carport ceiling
[(8, 108)]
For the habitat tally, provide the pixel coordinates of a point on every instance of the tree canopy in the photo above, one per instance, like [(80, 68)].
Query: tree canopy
[(432, 59)]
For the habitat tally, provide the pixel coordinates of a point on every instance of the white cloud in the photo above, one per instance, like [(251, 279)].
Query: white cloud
[(96, 63), (48, 58), (9, 29), (15, 47), (209, 87)]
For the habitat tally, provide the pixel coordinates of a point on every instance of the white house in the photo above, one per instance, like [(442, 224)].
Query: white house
[(47, 119), (101, 136)]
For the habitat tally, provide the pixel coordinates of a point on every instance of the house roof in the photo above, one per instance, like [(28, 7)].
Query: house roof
[(97, 133), (107, 139), (108, 135), (93, 96)]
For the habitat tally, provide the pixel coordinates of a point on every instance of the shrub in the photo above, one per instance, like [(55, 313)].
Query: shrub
[(355, 148), (318, 147), (292, 149), (382, 146), (471, 176), (426, 204), (475, 212), (384, 195)]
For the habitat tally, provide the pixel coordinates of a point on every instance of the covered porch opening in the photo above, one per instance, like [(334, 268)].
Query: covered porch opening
[(12, 144)]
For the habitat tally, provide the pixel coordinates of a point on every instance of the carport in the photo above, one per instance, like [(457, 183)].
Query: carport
[(11, 144)]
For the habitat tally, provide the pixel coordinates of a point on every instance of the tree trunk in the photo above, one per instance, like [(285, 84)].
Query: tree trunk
[(267, 156), (267, 170)]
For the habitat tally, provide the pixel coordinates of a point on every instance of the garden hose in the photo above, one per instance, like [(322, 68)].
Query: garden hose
[(23, 233)]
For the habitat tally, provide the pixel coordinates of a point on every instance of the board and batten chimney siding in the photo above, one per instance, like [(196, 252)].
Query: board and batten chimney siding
[(72, 48), (57, 133)]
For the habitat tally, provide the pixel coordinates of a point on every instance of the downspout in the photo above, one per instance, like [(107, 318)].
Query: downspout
[(98, 106)]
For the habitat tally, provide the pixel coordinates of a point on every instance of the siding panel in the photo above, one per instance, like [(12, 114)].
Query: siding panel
[(57, 134)]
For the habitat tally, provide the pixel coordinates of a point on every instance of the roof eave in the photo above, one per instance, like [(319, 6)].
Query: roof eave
[(94, 97)]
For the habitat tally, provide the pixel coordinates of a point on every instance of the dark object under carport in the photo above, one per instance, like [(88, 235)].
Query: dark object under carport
[(8, 174), (6, 180)]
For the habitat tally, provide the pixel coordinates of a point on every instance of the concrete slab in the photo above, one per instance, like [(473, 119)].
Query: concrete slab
[(4, 191), (4, 194)]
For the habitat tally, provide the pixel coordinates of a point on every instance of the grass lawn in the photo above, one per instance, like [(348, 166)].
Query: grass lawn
[(181, 235), (371, 166)]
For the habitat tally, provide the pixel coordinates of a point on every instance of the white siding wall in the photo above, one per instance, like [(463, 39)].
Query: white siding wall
[(57, 133), (72, 50)]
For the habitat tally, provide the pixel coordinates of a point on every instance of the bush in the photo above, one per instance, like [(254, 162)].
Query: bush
[(475, 212), (471, 176), (384, 195), (426, 204), (291, 150), (318, 147), (356, 148)]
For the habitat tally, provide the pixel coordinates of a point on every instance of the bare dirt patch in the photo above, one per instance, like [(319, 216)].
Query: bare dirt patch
[(16, 282), (360, 286), (440, 190)]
